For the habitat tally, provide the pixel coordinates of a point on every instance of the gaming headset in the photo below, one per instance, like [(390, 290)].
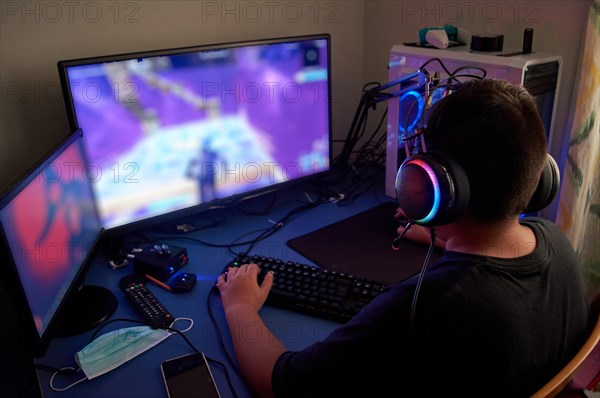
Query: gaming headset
[(432, 189)]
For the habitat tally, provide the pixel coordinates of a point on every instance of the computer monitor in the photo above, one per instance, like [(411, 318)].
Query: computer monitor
[(170, 130), (50, 227)]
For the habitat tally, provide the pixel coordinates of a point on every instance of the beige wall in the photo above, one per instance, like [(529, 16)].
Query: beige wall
[(34, 35), (558, 28)]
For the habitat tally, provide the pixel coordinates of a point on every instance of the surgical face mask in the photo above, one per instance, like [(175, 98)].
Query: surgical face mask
[(113, 349)]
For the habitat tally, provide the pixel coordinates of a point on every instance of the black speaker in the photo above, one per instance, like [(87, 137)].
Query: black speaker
[(432, 189)]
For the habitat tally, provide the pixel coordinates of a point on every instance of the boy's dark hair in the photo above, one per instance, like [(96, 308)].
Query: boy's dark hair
[(494, 131)]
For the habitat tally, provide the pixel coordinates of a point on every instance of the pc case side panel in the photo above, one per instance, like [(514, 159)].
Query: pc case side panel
[(399, 65), (392, 146), (547, 86), (553, 139)]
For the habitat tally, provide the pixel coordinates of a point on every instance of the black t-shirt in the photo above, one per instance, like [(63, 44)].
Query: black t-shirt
[(484, 326)]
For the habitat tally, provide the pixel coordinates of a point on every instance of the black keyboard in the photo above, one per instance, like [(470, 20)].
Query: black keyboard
[(305, 288)]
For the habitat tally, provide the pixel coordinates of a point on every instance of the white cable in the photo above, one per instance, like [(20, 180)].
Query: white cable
[(70, 385), (190, 320)]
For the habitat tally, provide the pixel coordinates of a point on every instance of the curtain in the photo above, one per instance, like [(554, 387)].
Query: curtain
[(579, 205)]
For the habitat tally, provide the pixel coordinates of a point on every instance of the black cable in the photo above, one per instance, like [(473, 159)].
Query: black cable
[(439, 61), (265, 234), (413, 308), (396, 242), (49, 368), (232, 363), (464, 67), (364, 150), (198, 241), (221, 364), (363, 179), (266, 210), (358, 188), (344, 155), (282, 221), (368, 99), (469, 75), (354, 138)]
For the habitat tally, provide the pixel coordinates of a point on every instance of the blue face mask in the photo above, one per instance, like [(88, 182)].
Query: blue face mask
[(113, 349)]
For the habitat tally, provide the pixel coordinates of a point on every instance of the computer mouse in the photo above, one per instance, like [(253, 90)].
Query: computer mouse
[(183, 282)]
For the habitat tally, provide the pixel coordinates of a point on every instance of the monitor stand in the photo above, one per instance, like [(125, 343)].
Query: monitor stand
[(88, 307)]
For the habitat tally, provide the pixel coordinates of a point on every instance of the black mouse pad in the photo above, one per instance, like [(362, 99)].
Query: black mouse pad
[(362, 245)]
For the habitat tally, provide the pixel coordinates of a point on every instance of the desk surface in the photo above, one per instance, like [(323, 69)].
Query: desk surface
[(141, 377)]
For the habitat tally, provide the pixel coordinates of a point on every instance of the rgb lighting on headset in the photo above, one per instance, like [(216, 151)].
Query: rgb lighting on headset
[(405, 127), (436, 190)]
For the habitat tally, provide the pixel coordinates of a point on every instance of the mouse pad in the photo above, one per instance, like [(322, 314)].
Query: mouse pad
[(362, 245)]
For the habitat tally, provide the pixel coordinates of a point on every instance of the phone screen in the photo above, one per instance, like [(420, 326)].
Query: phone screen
[(189, 376)]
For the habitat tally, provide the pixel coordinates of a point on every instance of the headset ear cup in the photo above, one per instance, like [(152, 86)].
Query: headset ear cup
[(432, 189), (547, 187)]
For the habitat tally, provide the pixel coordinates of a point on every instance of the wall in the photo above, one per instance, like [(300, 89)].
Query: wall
[(34, 35), (558, 28)]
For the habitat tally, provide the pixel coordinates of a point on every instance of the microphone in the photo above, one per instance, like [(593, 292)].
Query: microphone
[(396, 243)]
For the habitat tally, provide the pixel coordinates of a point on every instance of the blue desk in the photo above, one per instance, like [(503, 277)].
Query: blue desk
[(141, 377)]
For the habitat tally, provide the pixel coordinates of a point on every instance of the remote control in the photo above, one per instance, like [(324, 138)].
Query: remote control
[(145, 302)]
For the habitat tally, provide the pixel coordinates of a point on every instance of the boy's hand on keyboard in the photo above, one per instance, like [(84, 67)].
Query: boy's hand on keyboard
[(305, 288), (239, 287)]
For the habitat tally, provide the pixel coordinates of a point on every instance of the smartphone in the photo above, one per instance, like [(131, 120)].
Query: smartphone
[(189, 376)]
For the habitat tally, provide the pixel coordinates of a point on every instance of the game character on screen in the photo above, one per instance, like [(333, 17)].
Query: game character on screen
[(204, 169)]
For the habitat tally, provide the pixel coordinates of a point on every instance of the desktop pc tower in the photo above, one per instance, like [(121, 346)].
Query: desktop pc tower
[(538, 72)]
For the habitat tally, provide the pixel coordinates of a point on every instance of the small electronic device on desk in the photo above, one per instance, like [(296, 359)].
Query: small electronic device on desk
[(156, 263), (182, 282), (179, 283), (160, 261)]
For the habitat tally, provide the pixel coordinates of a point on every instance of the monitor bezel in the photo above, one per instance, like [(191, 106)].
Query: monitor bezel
[(10, 274), (190, 210)]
